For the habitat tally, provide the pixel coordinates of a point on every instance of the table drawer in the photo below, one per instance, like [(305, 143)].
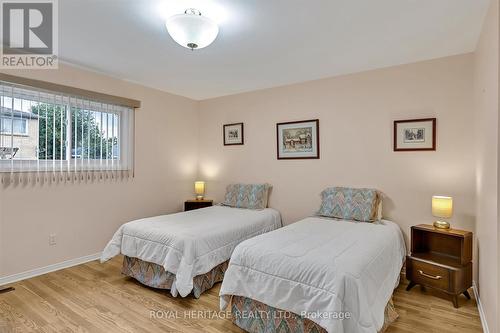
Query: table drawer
[(427, 274)]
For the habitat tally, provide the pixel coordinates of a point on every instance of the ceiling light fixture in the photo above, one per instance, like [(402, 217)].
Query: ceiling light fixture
[(191, 29)]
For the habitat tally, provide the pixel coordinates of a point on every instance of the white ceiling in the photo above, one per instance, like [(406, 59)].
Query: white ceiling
[(262, 43)]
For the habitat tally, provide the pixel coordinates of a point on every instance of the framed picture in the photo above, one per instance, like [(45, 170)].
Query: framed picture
[(233, 134), (415, 134), (298, 139)]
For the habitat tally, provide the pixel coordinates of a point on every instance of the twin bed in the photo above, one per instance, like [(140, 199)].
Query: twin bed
[(337, 274), (186, 252), (321, 274)]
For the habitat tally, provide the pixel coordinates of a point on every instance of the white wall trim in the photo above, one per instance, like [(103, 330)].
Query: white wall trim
[(47, 269), (480, 308)]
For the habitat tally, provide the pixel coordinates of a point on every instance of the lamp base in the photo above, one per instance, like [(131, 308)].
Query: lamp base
[(199, 197), (441, 224)]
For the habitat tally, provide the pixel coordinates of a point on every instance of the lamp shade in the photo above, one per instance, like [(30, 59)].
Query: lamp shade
[(199, 188), (442, 206), (192, 30)]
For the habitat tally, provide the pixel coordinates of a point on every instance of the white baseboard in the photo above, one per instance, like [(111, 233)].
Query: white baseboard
[(47, 269), (480, 308)]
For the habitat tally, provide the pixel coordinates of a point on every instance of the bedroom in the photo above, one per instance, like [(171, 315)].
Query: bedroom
[(140, 118)]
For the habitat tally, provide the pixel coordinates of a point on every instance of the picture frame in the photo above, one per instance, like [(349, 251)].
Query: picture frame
[(297, 140), (415, 134), (233, 134)]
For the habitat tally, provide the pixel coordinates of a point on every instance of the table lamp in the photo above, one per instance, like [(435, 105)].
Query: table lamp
[(442, 207), (199, 189)]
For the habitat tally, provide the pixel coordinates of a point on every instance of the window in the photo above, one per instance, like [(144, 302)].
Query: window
[(20, 126), (51, 132)]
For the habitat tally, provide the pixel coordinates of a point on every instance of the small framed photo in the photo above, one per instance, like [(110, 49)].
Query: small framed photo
[(233, 134), (298, 140), (415, 134)]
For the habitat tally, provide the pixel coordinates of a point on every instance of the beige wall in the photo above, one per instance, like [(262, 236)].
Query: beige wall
[(356, 114), (486, 109), (84, 216)]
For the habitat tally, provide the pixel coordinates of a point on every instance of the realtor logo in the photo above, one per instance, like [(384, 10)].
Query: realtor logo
[(29, 34)]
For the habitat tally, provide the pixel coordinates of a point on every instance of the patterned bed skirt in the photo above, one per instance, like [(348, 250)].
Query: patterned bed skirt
[(262, 318), (155, 276)]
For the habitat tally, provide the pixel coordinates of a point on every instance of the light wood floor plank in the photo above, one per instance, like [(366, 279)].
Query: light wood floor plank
[(95, 297)]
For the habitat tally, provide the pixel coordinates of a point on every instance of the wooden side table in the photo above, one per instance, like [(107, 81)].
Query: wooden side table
[(440, 259), (197, 204)]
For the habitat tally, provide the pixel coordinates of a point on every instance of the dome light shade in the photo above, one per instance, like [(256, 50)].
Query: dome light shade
[(192, 30)]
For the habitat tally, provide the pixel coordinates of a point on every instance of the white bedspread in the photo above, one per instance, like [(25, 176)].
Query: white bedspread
[(320, 267), (190, 243)]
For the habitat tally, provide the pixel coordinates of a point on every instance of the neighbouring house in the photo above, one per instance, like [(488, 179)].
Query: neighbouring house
[(18, 129)]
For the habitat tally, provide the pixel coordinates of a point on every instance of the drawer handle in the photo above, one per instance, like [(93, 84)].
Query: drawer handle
[(437, 277)]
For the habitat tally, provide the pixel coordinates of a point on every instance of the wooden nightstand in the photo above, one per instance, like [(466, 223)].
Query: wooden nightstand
[(440, 259), (197, 204)]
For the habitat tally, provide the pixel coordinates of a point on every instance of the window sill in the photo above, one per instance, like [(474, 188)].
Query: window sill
[(15, 135)]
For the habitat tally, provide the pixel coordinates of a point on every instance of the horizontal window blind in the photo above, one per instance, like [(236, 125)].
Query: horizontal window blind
[(48, 136)]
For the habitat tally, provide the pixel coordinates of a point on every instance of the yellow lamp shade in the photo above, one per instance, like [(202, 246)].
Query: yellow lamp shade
[(199, 189), (442, 207)]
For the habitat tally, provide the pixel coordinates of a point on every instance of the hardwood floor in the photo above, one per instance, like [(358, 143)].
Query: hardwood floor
[(97, 298)]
